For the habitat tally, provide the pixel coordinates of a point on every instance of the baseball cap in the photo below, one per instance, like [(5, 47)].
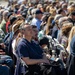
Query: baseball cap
[(38, 12)]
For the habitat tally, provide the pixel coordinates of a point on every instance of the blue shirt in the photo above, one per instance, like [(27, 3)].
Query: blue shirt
[(29, 49), (72, 46), (36, 22)]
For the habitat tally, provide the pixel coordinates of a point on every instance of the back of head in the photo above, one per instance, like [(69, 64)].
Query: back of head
[(43, 41), (57, 17), (12, 19), (64, 5), (52, 11), (5, 14), (72, 13), (62, 20), (66, 28), (39, 6), (38, 11), (59, 10), (16, 26)]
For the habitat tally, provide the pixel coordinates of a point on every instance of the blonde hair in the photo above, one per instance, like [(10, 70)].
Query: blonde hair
[(72, 33), (71, 9), (16, 26), (66, 29), (18, 33), (49, 25), (52, 11), (48, 8)]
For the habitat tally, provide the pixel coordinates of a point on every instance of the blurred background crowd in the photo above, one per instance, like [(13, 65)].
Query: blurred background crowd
[(53, 24)]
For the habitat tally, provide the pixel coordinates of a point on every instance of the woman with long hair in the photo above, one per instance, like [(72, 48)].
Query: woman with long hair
[(65, 33), (49, 26), (72, 33)]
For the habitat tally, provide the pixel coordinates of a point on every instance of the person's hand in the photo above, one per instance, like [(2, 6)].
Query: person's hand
[(48, 56), (45, 59), (43, 23)]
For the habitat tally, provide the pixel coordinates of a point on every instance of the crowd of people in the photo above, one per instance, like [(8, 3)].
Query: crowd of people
[(37, 38)]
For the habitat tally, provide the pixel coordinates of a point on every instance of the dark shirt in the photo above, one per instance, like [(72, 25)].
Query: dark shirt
[(29, 49)]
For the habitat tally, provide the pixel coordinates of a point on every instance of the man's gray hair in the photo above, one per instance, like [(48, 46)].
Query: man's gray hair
[(22, 26)]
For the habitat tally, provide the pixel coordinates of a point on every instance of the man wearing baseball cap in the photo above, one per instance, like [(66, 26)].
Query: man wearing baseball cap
[(37, 18)]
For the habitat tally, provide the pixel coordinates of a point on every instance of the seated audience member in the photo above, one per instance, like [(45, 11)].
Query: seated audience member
[(17, 35), (5, 59)]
